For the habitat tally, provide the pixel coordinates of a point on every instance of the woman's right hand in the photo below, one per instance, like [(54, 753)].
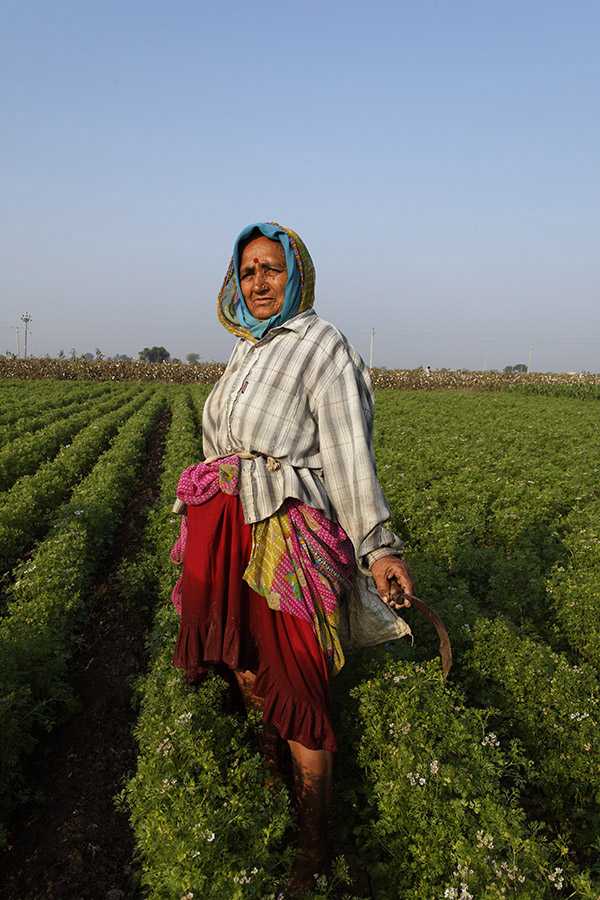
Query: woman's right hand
[(393, 581)]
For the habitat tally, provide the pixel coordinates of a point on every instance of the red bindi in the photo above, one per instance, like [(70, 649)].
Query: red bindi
[(256, 259)]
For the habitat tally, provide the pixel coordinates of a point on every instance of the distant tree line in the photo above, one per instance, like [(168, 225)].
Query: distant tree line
[(148, 354)]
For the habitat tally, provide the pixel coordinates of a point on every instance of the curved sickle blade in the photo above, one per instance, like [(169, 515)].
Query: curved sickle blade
[(445, 646)]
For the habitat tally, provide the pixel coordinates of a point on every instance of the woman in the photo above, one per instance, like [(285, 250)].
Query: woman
[(284, 516)]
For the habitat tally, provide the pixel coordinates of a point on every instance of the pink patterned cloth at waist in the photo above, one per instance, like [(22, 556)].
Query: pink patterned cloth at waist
[(199, 483)]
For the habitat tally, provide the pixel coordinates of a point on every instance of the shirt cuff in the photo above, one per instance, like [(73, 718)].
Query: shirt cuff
[(374, 555), (383, 542)]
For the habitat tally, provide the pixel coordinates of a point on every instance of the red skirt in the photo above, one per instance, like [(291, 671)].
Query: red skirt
[(223, 621)]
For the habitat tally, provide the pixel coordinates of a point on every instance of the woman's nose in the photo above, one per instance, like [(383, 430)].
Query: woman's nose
[(261, 280)]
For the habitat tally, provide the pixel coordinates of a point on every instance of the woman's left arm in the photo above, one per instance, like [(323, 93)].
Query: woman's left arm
[(345, 417)]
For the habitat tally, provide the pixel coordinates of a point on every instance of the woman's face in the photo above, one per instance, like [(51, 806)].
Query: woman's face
[(263, 276)]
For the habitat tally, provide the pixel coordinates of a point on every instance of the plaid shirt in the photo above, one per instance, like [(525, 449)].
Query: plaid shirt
[(302, 395)]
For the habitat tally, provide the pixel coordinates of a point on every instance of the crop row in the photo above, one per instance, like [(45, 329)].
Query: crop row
[(484, 787), (28, 424), (33, 399), (485, 487), (27, 509), (49, 595), (437, 817), (574, 585), (23, 455), (553, 707), (16, 392)]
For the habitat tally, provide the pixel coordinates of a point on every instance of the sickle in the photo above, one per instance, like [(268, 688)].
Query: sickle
[(445, 647)]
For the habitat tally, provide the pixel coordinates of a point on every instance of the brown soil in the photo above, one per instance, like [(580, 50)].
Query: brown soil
[(72, 842)]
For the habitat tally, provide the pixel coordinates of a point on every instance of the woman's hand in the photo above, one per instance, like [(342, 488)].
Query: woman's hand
[(392, 580)]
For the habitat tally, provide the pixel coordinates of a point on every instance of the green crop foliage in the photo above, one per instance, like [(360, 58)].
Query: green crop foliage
[(50, 592), (487, 786), (27, 509), (435, 773)]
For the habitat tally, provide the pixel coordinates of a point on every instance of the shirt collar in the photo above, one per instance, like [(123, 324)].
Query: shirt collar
[(300, 324)]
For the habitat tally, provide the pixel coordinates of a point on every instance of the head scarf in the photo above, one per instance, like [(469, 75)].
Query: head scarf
[(232, 310)]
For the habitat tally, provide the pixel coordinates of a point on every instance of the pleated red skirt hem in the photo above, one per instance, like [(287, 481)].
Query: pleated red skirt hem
[(224, 622)]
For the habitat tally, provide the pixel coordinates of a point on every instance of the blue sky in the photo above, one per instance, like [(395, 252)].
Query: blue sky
[(441, 161)]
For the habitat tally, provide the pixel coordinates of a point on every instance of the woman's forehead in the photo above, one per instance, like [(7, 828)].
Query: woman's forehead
[(261, 247)]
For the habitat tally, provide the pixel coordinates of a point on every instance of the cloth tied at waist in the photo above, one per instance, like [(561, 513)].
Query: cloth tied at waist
[(301, 562)]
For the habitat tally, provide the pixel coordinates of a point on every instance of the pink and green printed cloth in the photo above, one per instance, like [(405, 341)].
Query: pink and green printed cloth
[(301, 562)]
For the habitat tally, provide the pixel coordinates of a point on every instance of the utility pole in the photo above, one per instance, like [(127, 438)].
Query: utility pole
[(26, 317), (530, 363), (371, 348), (18, 337)]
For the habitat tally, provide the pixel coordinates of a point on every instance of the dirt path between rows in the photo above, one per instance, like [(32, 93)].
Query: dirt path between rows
[(73, 844)]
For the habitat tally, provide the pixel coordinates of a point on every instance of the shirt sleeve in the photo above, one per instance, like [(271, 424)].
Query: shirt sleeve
[(345, 420)]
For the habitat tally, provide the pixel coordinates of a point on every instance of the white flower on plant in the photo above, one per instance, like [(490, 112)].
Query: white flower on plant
[(451, 893), (434, 766), (579, 716), (490, 740), (398, 678), (78, 512), (556, 878), (485, 840), (242, 877), (415, 778), (512, 873), (465, 894)]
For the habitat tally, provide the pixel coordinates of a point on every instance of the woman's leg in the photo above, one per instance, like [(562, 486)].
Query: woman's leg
[(293, 678), (246, 682), (313, 770), (313, 782)]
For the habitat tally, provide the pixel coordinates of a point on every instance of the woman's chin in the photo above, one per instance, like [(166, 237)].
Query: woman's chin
[(262, 311)]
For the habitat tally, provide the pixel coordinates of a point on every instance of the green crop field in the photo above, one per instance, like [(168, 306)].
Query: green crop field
[(485, 786)]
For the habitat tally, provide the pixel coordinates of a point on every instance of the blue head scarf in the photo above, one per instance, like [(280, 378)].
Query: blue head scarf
[(293, 293)]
